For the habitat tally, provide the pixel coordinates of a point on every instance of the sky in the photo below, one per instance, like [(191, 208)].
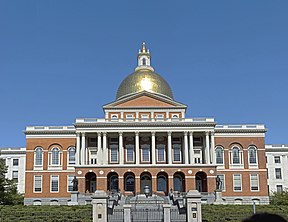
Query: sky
[(62, 60)]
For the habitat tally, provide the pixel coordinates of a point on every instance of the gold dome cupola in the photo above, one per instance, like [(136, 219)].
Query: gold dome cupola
[(144, 79)]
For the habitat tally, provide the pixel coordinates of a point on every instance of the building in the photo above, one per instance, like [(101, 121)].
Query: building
[(145, 138), (15, 158), (277, 167)]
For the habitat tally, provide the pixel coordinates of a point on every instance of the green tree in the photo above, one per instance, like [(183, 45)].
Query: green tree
[(279, 198), (8, 189)]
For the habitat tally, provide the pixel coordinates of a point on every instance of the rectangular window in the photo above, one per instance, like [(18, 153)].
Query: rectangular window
[(277, 159), (93, 161), (145, 153), (129, 117), (279, 188), (15, 176), (160, 116), (15, 162), (37, 183), (130, 153), (160, 153), (54, 183), (176, 152), (254, 183), (69, 183), (237, 182), (114, 153), (222, 177), (144, 116), (278, 173)]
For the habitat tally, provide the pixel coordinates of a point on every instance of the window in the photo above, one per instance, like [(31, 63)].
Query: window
[(254, 186), (159, 116), (69, 183), (145, 153), (114, 116), (222, 178), (38, 156), (54, 183), (177, 152), (129, 117), (55, 156), (113, 153), (130, 183), (71, 158), (279, 188), (144, 116), (160, 152), (130, 153), (278, 173), (15, 176), (37, 183), (252, 155), (219, 155), (235, 155), (277, 159), (175, 116), (237, 182), (15, 162)]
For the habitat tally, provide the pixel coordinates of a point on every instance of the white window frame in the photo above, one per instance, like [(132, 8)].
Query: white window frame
[(16, 161), (116, 148), (144, 117), (256, 157), (281, 175), (255, 174), (51, 180), (68, 156), (231, 163), (164, 149), (133, 149), (130, 117), (222, 150), (114, 117), (35, 155), (279, 159), (180, 153), (149, 153), (69, 182), (234, 175), (34, 183), (13, 176), (159, 117), (59, 157), (223, 181)]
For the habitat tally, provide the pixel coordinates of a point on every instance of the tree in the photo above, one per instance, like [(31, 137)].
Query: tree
[(8, 189), (280, 198)]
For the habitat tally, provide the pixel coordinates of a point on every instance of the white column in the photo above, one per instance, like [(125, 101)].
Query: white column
[(99, 149), (83, 140), (169, 148), (121, 149), (213, 148), (104, 149), (191, 147), (207, 149), (186, 148), (153, 148), (137, 149), (78, 149)]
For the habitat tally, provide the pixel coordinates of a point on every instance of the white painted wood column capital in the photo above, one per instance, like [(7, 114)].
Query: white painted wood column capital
[(186, 158), (121, 149), (169, 133), (78, 148), (207, 147), (153, 141), (191, 148), (137, 149)]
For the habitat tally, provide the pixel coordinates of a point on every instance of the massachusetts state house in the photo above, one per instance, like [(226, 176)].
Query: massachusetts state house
[(144, 139)]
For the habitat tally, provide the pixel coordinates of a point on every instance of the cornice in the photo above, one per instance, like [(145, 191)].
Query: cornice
[(240, 131)]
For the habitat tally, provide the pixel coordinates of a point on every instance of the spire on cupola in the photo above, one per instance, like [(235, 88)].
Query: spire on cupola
[(144, 59)]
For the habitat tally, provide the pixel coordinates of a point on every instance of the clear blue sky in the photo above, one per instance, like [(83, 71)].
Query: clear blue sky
[(61, 60)]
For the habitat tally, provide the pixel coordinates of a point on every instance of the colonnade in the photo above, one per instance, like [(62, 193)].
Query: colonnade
[(102, 148)]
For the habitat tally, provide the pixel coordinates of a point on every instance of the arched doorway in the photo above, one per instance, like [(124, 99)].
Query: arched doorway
[(162, 182), (90, 182), (145, 179), (112, 182), (201, 181), (179, 182), (129, 182)]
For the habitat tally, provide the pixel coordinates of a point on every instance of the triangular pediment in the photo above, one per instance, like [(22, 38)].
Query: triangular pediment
[(144, 99)]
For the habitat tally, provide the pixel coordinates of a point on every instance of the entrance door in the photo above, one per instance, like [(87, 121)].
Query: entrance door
[(92, 186), (146, 180), (201, 181)]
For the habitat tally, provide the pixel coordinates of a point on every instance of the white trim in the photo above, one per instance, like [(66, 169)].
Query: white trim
[(51, 183), (258, 190), (234, 182), (69, 175), (34, 184)]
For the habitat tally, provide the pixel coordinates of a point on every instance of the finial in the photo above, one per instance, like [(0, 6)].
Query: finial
[(143, 47)]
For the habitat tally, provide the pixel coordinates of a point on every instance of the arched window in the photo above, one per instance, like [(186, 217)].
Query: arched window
[(162, 183), (219, 155), (55, 156), (144, 62), (38, 156), (130, 183), (71, 155), (252, 155), (235, 155)]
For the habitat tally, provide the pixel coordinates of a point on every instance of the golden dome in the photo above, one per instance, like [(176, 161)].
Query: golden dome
[(144, 80)]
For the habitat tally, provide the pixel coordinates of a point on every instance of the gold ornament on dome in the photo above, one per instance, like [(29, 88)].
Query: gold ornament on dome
[(144, 80)]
